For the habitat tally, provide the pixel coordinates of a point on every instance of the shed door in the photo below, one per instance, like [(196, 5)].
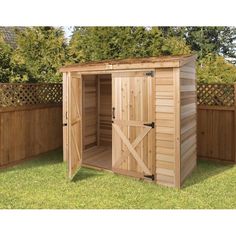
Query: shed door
[(133, 133), (74, 124), (65, 116)]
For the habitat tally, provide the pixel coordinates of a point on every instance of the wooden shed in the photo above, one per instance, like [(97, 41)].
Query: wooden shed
[(135, 117)]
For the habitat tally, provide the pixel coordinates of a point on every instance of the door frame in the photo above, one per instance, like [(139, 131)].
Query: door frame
[(65, 118)]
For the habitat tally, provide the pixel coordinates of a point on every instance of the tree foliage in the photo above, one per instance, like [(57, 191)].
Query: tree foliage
[(39, 54), (5, 60), (215, 69), (207, 40), (98, 43), (41, 51)]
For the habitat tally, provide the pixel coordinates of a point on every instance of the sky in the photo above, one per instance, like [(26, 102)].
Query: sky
[(68, 31)]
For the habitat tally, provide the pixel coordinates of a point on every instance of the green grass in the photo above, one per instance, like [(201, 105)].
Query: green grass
[(42, 183)]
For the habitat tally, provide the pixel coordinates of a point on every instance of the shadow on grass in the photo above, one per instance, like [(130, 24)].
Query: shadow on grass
[(205, 170), (85, 173), (49, 158)]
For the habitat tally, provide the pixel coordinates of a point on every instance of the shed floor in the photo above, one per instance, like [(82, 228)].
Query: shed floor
[(99, 156)]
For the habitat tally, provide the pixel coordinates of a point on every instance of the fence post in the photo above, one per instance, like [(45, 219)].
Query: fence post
[(235, 122)]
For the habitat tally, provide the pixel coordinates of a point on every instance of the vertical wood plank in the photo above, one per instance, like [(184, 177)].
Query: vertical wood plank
[(234, 137), (75, 124), (35, 130), (65, 116), (98, 109), (133, 93), (176, 81)]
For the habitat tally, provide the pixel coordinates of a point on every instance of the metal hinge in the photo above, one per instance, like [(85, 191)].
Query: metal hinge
[(152, 177), (150, 124), (150, 73)]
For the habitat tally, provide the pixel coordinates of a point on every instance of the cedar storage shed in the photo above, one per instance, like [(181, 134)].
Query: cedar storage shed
[(136, 117)]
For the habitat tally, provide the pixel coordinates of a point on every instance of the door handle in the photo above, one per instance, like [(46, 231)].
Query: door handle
[(113, 113)]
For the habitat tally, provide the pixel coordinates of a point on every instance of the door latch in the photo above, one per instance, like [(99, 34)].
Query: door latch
[(150, 125)]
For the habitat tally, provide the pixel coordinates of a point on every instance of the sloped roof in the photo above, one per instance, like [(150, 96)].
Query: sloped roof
[(131, 63), (9, 34)]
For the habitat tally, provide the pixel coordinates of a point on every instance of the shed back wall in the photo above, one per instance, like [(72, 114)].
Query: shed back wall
[(105, 110), (89, 111)]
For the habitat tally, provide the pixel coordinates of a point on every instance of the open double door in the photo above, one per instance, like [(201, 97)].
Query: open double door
[(133, 116)]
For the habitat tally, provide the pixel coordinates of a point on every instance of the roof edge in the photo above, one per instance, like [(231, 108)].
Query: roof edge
[(130, 63)]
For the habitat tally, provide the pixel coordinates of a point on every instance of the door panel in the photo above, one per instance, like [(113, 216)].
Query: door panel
[(74, 125), (133, 116), (65, 117)]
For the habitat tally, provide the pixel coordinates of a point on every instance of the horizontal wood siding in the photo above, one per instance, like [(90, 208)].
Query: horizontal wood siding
[(89, 111), (188, 123), (105, 130), (165, 127), (29, 131)]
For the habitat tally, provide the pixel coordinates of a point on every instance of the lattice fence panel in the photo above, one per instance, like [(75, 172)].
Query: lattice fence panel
[(15, 94), (215, 94)]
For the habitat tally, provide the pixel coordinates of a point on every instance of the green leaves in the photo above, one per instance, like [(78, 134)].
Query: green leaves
[(215, 69), (5, 59), (99, 43), (206, 40), (41, 51)]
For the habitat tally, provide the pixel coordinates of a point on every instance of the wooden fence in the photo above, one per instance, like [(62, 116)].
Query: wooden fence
[(30, 120), (216, 127)]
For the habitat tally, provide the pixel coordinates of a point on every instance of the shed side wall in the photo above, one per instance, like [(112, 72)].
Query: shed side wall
[(188, 113), (165, 127)]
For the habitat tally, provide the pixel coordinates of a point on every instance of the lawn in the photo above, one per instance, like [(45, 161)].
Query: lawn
[(42, 183)]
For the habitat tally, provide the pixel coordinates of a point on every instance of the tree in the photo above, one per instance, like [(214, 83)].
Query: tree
[(99, 43), (39, 54), (215, 69), (5, 59), (207, 40), (41, 51)]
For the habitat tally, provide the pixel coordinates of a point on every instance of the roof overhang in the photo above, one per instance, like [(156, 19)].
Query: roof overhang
[(130, 64)]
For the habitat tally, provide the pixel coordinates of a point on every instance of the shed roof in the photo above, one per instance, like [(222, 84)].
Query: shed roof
[(131, 63), (9, 34)]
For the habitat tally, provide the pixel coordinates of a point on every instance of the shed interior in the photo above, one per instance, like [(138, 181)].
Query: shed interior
[(97, 120)]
